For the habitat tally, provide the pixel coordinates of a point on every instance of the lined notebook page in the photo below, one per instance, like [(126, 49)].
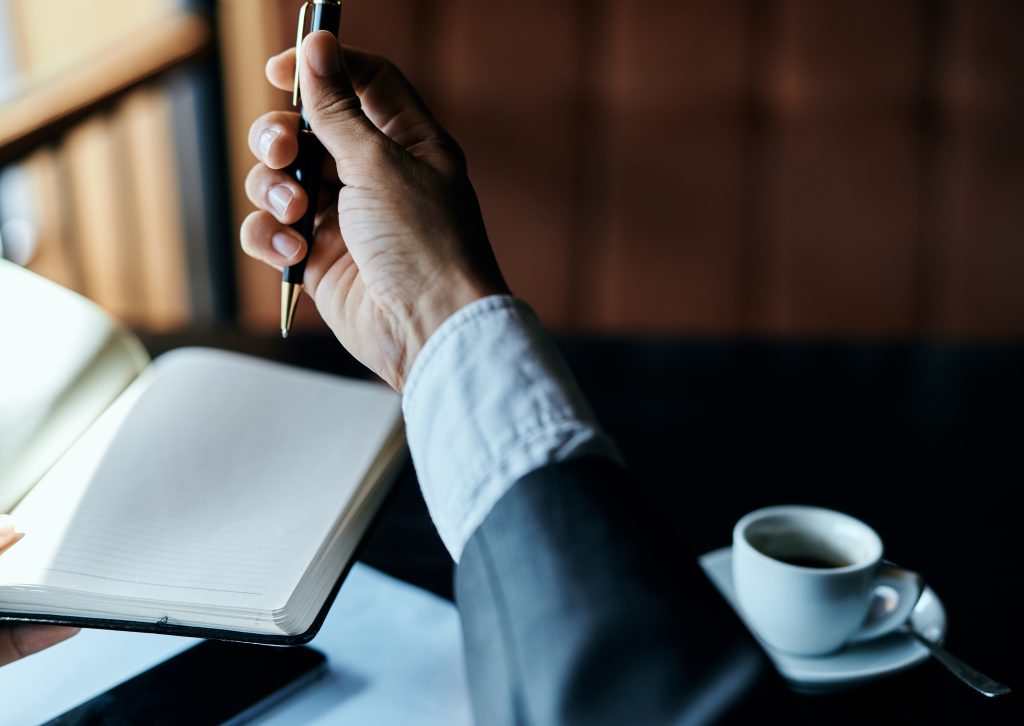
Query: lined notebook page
[(213, 482)]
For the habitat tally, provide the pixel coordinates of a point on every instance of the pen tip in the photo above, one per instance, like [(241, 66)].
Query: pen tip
[(284, 333)]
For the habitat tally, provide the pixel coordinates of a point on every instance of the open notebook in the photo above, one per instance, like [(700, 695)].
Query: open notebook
[(204, 493)]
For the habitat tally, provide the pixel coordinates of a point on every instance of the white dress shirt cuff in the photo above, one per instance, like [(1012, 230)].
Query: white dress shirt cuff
[(488, 400)]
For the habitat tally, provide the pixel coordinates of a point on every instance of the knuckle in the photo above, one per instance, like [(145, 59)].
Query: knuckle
[(388, 68), (339, 106), (452, 157), (379, 150), (455, 151)]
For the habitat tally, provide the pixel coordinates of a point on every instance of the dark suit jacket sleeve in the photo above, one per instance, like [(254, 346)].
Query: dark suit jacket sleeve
[(578, 607)]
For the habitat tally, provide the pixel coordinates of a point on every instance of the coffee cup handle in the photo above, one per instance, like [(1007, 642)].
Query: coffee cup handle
[(885, 619)]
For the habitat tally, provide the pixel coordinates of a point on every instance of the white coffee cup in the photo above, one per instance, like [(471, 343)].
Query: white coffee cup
[(806, 578)]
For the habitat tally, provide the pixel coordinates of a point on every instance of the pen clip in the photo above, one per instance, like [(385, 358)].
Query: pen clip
[(300, 33)]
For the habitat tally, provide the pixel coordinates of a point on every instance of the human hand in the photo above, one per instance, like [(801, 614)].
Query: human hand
[(17, 641), (399, 243)]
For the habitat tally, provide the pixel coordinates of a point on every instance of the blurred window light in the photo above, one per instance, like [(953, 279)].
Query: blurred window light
[(18, 230)]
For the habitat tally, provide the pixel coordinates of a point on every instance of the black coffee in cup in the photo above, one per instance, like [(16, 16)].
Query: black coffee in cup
[(805, 579), (811, 561), (800, 549)]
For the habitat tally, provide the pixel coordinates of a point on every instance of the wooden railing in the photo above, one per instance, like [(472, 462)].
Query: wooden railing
[(111, 154), (45, 110)]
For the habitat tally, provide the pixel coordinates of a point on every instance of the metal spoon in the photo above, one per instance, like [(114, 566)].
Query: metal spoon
[(978, 681)]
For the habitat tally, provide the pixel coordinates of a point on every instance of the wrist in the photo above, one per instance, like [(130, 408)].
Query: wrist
[(431, 311), (488, 400)]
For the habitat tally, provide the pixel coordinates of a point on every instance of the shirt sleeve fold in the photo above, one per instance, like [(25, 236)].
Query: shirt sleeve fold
[(488, 400)]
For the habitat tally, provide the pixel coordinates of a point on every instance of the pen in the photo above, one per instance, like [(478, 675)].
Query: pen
[(326, 15)]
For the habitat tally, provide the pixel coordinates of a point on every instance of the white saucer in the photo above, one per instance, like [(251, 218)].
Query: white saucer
[(853, 664)]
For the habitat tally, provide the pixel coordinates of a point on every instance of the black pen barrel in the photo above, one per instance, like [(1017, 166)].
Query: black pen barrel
[(306, 170), (326, 16), (308, 164)]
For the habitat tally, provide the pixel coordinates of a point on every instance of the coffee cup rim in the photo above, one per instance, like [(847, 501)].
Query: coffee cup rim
[(740, 539)]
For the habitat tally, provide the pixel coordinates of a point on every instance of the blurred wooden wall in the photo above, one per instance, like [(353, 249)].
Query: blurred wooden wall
[(101, 195), (756, 167)]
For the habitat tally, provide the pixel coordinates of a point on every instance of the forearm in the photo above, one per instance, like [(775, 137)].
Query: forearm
[(578, 605)]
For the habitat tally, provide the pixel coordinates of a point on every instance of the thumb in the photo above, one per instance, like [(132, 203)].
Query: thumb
[(334, 111), (17, 641)]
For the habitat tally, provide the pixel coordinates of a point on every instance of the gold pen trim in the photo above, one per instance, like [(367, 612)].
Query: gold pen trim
[(300, 33), (290, 293)]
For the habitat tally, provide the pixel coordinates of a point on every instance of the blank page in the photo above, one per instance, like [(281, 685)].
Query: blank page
[(213, 482), (63, 362)]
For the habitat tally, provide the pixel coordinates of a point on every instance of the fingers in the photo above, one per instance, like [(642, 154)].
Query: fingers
[(280, 70), (395, 107), (335, 113), (276, 192), (388, 100), (273, 138), (269, 241), (384, 92), (17, 641), (328, 248)]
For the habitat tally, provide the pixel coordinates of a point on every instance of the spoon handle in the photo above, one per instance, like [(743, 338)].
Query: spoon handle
[(978, 681)]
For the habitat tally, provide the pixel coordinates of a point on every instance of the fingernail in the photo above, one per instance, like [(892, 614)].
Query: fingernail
[(322, 50), (280, 197), (285, 245), (266, 140), (33, 638)]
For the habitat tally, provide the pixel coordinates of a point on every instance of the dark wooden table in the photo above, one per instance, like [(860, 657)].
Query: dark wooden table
[(924, 441)]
